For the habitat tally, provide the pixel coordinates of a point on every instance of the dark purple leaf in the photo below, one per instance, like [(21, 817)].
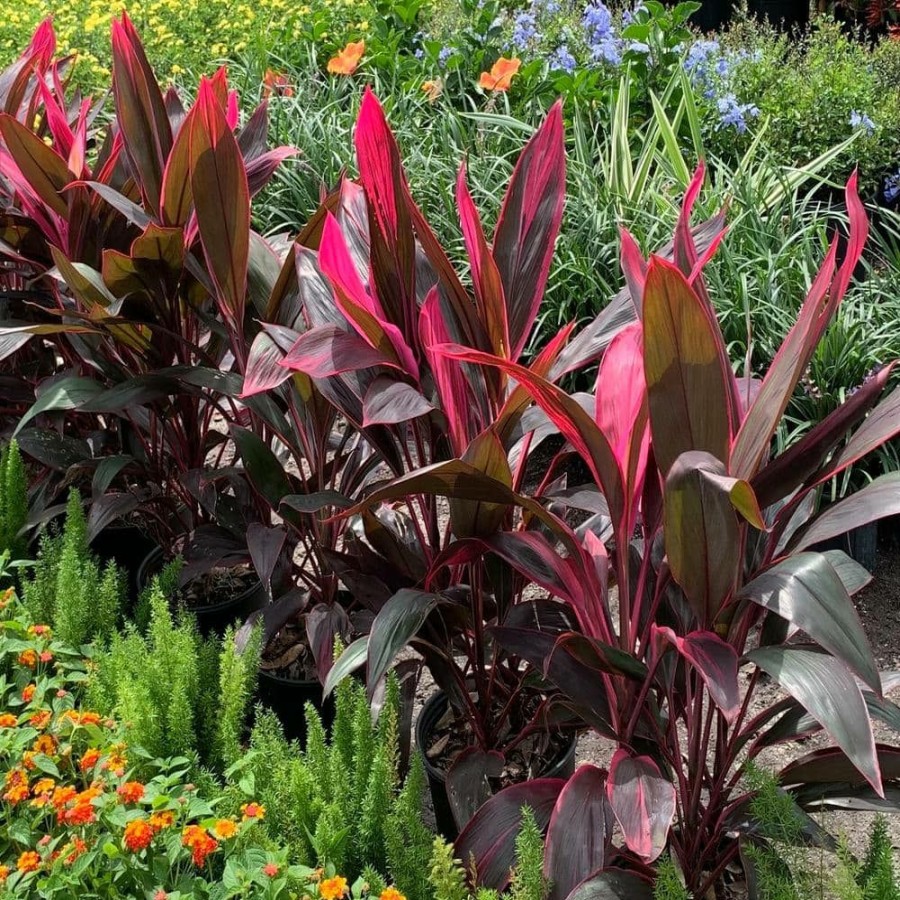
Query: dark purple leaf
[(468, 784), (265, 545), (389, 402)]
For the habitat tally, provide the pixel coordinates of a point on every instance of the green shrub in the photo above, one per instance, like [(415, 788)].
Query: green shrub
[(528, 881), (341, 801), (179, 693), (13, 501), (70, 589), (446, 875)]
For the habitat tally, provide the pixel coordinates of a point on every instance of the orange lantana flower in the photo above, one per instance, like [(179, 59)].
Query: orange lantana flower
[(28, 692), (433, 89), (347, 60), (28, 658), (89, 760), (8, 720), (200, 843), (29, 861), (501, 75), (391, 893), (224, 829), (138, 835), (161, 820), (333, 888), (253, 811), (131, 791)]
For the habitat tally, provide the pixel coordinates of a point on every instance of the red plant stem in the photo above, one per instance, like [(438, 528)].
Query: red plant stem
[(716, 873)]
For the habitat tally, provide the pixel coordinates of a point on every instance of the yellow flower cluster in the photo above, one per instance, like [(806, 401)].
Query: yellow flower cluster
[(182, 38)]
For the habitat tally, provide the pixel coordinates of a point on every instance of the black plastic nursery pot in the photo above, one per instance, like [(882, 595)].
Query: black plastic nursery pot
[(860, 544), (128, 547), (562, 766), (216, 617), (287, 698)]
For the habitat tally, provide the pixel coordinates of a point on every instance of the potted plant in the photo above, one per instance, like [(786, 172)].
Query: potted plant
[(710, 553)]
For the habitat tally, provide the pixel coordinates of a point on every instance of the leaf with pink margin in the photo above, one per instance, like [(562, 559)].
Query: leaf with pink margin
[(525, 236), (389, 402), (580, 831), (643, 801), (490, 836), (264, 366), (717, 663), (330, 350)]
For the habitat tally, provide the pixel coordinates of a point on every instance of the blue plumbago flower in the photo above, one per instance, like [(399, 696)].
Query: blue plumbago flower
[(861, 120), (892, 187), (607, 50), (444, 54), (550, 7), (601, 39), (524, 29), (637, 47), (699, 58), (418, 53), (561, 59), (733, 114)]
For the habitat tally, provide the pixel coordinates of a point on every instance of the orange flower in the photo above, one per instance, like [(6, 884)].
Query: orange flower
[(200, 842), (41, 720), (131, 791), (46, 656), (80, 814), (501, 75), (225, 829), (347, 60), (89, 760), (253, 811), (45, 744), (29, 861), (433, 89), (8, 720), (333, 888), (75, 849), (28, 658), (138, 835), (161, 820), (28, 692), (62, 796), (42, 791), (116, 762), (16, 786), (160, 895), (88, 718), (391, 893), (4, 874), (276, 83), (270, 869)]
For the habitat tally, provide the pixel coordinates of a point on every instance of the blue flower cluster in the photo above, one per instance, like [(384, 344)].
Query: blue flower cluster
[(861, 120), (892, 188), (602, 41), (710, 69), (562, 60), (733, 114), (525, 29)]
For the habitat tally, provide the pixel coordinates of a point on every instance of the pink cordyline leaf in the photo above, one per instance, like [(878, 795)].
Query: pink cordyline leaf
[(716, 661), (529, 221), (485, 274), (221, 202), (643, 801), (634, 267), (362, 310), (140, 111), (751, 445)]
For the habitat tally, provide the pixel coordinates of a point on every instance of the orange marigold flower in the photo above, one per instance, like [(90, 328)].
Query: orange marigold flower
[(347, 60), (90, 759), (4, 874), (28, 692), (74, 850), (501, 75), (276, 83), (138, 835), (45, 744), (29, 861), (8, 720), (28, 658), (271, 870), (225, 829), (161, 820), (131, 791), (333, 888), (391, 893), (41, 720)]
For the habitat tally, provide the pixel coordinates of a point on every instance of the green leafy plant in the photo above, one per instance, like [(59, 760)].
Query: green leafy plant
[(446, 875), (528, 881)]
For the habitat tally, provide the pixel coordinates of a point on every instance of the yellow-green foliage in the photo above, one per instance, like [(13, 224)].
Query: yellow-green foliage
[(13, 500), (180, 36)]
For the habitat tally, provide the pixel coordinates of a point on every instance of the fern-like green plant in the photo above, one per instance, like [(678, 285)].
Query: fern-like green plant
[(70, 589), (528, 881), (876, 877), (668, 884), (13, 501), (340, 802), (445, 875), (237, 680)]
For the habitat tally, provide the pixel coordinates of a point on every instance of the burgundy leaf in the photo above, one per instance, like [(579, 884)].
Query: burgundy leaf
[(389, 402), (468, 784), (330, 350)]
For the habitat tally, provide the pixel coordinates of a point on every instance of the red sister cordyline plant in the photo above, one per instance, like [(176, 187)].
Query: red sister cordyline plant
[(709, 570)]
